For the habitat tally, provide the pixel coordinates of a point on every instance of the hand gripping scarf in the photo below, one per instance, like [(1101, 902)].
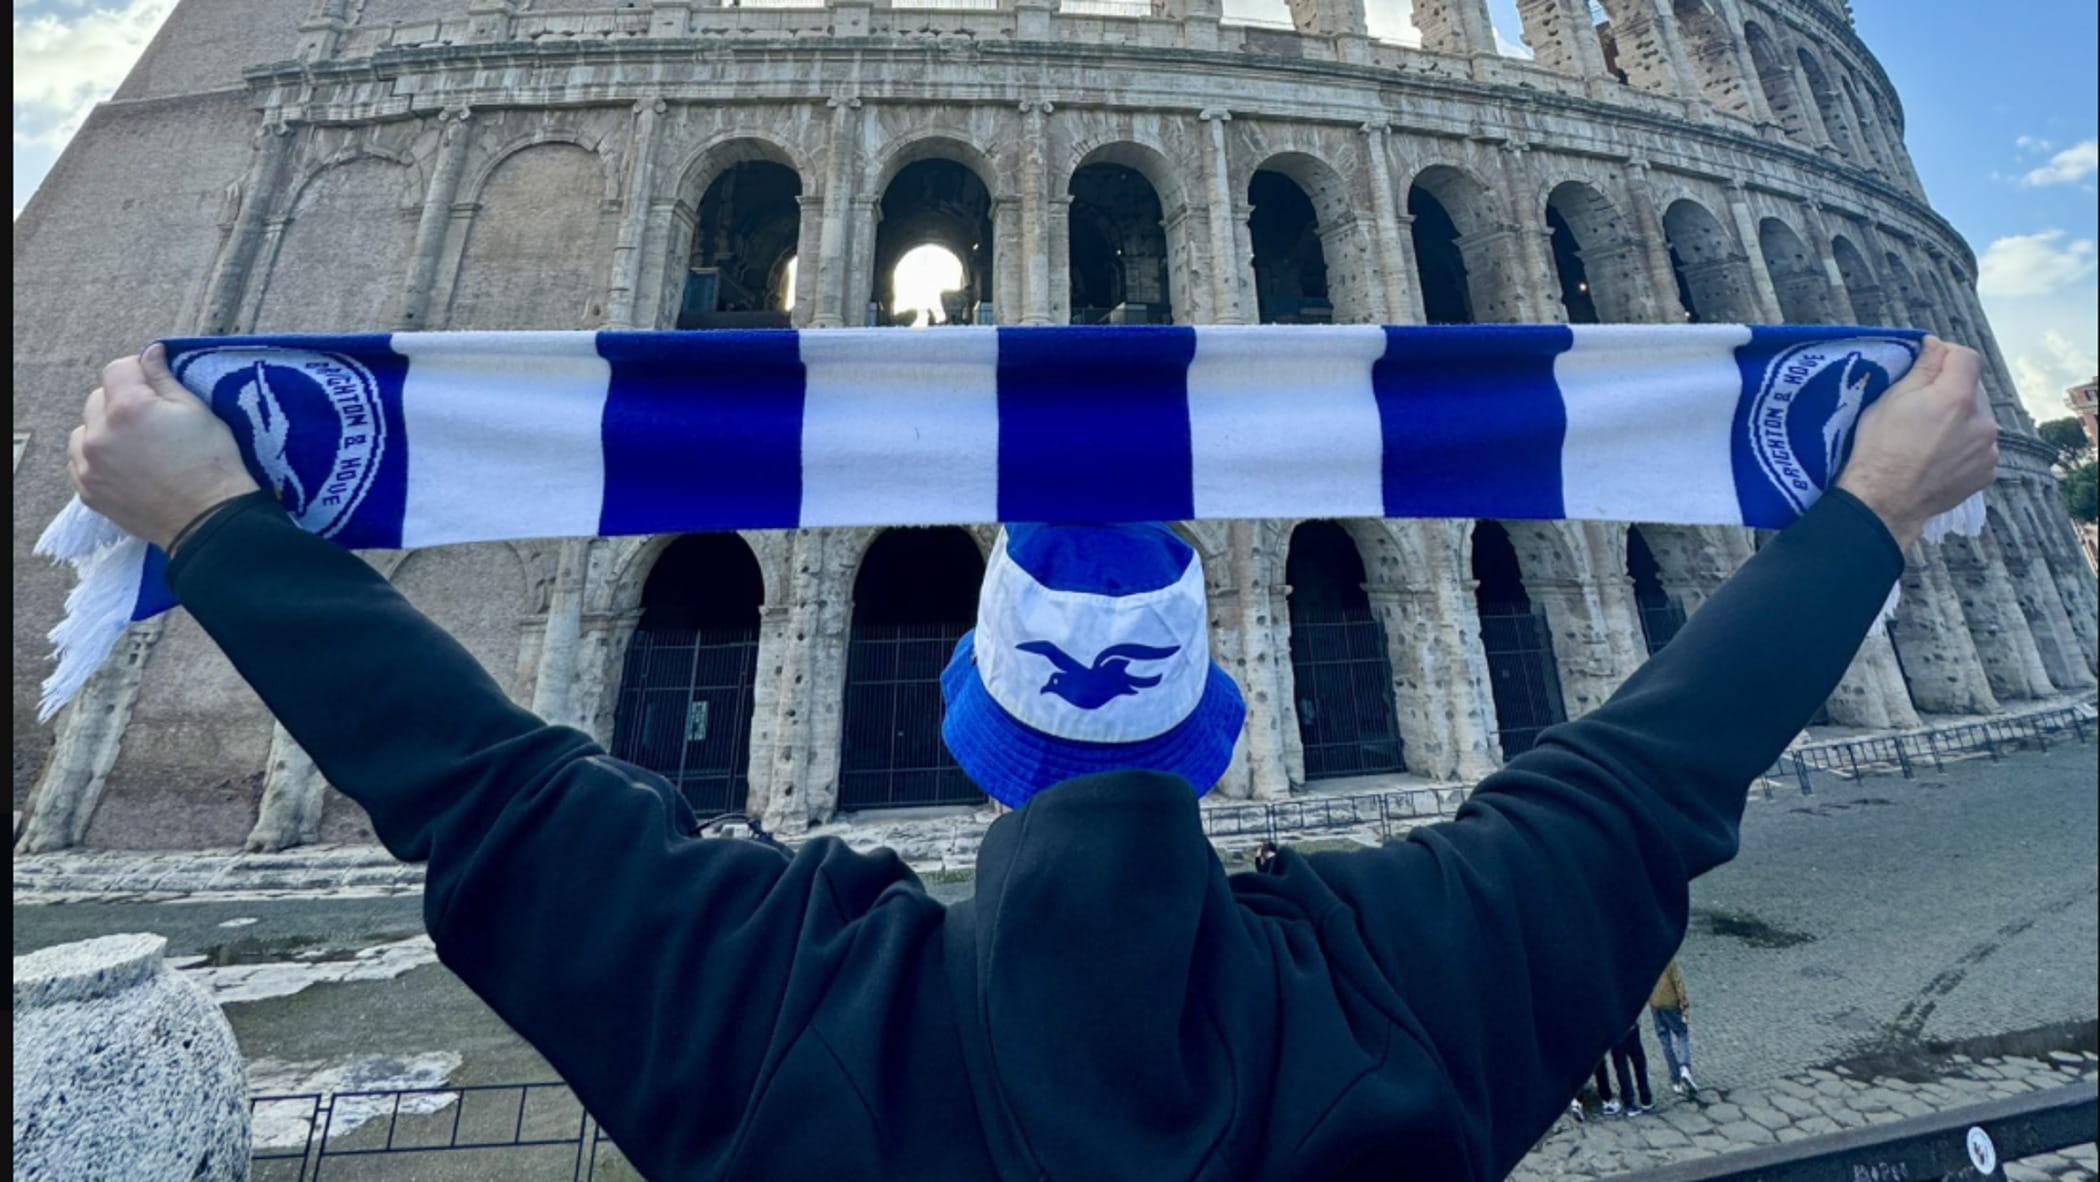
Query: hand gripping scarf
[(423, 439)]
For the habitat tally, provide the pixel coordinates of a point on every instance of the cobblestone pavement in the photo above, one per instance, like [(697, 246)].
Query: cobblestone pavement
[(1806, 1104)]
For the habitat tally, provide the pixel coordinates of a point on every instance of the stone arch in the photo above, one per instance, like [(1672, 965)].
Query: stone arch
[(1713, 277), (1905, 300), (477, 593), (345, 254), (914, 595), (920, 144), (1523, 673), (746, 229), (1828, 111), (1803, 288), (1310, 257), (536, 255), (1861, 287), (936, 189), (1661, 611), (1869, 133), (1714, 57), (1600, 268), (688, 684), (1775, 76), (1128, 238), (628, 571), (1463, 254), (1342, 674), (705, 165), (484, 162)]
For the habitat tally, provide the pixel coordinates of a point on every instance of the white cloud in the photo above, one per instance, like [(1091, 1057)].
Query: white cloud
[(2069, 166), (2033, 143), (2034, 264), (65, 65), (1509, 48)]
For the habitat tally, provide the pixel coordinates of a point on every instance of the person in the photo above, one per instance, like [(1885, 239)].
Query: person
[(1671, 1005), (1109, 1004), (1629, 1062)]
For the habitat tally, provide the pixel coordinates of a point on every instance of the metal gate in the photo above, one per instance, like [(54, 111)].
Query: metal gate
[(1521, 668), (1344, 693), (1661, 617), (893, 755), (685, 711)]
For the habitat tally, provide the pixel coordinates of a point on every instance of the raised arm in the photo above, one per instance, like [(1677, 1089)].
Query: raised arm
[(1526, 934), (656, 972)]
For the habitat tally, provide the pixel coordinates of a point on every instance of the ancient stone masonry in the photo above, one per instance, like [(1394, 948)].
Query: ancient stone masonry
[(569, 164)]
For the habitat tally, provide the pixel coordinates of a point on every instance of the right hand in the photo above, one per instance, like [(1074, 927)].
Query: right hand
[(1926, 445), (149, 455)]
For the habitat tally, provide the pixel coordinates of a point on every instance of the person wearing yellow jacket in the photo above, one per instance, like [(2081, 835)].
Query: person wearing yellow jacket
[(1671, 1004)]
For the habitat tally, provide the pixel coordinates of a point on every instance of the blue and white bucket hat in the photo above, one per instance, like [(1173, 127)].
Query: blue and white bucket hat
[(1091, 654)]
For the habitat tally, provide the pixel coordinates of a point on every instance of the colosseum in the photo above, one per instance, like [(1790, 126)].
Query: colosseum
[(490, 164)]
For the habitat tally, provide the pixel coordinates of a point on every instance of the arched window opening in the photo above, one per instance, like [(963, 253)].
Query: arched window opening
[(1828, 113), (1803, 288), (926, 288), (1118, 248), (684, 709), (1713, 278), (934, 203), (1713, 54), (1575, 293), (1290, 268), (915, 596), (1661, 614), (1868, 304), (1439, 263), (1518, 643), (1342, 674), (744, 239), (1775, 78)]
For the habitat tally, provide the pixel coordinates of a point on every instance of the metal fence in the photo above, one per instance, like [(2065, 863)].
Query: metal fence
[(1903, 754), (1852, 758), (563, 1142), (526, 1132)]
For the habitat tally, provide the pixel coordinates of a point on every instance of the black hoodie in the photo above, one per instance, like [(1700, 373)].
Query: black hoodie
[(1111, 1004)]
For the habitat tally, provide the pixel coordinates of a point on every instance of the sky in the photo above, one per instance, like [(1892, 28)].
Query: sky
[(2001, 117)]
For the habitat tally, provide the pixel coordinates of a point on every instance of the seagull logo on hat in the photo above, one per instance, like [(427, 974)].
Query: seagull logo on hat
[(1108, 679)]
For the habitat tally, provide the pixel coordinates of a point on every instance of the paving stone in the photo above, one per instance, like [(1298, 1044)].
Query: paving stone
[(1770, 1118), (1911, 1106), (1743, 1132), (1817, 1126), (1792, 1106)]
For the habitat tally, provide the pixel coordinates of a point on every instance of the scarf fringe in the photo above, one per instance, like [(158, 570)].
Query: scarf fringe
[(108, 564)]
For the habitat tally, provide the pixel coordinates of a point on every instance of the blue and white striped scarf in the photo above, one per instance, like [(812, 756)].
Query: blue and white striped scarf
[(424, 439)]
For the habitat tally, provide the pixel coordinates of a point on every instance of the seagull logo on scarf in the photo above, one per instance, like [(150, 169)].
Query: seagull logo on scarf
[(272, 432), (1109, 678), (1801, 420)]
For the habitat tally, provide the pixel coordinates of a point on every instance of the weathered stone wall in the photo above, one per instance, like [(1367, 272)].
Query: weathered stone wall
[(496, 169)]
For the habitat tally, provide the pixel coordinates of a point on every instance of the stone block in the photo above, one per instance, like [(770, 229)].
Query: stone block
[(123, 1069)]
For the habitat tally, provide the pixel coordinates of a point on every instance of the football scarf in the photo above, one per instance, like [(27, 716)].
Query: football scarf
[(406, 440)]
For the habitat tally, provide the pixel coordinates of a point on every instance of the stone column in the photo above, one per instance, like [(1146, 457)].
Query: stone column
[(1939, 656), (1537, 297), (1444, 699), (809, 228), (2074, 584), (832, 309), (1225, 262), (292, 798), (1563, 37), (1009, 246), (1746, 233), (1060, 259), (90, 733), (229, 284), (621, 305), (1841, 309), (2011, 660), (435, 218), (553, 687), (2035, 587), (1397, 279), (1455, 26), (1655, 244), (1035, 218), (322, 30), (1269, 709), (1596, 635)]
